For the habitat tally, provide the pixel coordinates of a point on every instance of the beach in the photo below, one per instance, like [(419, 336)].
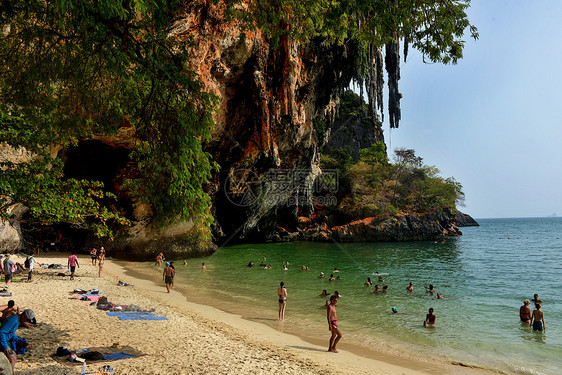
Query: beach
[(196, 339)]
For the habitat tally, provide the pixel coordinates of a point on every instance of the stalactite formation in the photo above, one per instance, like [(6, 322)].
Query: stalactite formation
[(392, 64)]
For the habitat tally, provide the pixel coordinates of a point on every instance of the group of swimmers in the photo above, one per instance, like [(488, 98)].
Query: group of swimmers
[(536, 318)]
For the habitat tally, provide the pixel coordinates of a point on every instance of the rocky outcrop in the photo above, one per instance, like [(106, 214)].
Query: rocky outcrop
[(431, 226), (11, 239), (465, 220)]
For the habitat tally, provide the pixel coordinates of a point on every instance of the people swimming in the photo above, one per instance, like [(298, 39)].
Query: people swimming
[(439, 296), (332, 278), (321, 275), (324, 293), (369, 282), (381, 280), (536, 299), (430, 289), (429, 319), (410, 288), (377, 289), (385, 289)]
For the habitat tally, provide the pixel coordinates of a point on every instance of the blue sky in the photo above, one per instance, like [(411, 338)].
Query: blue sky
[(493, 120)]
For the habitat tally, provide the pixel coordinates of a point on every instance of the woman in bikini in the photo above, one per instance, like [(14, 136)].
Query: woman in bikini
[(282, 294)]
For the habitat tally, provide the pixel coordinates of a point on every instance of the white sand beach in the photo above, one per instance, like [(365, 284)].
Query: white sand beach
[(196, 339)]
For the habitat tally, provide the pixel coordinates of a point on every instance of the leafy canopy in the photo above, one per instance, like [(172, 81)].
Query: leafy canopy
[(72, 69)]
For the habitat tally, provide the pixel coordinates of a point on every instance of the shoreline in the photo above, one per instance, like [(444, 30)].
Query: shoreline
[(196, 338), (358, 359)]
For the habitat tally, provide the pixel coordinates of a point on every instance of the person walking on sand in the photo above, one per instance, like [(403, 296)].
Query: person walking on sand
[(429, 319), (159, 259), (101, 261), (525, 312), (282, 294), (168, 277), (94, 255), (30, 260), (7, 264), (537, 319), (333, 324), (72, 263)]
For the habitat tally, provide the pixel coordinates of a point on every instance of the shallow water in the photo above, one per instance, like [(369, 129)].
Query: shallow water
[(483, 275)]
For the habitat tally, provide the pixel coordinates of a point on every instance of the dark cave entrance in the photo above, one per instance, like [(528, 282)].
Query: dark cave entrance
[(91, 160)]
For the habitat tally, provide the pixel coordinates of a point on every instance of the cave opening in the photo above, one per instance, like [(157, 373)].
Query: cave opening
[(90, 160)]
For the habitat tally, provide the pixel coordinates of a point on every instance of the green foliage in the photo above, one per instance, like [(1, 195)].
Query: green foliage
[(435, 27), (37, 182), (376, 154), (74, 68), (381, 189)]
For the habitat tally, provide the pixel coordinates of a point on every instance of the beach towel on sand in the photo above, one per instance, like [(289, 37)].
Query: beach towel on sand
[(135, 315), (123, 352)]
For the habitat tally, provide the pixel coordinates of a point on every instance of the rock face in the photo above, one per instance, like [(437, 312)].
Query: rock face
[(11, 239), (465, 220), (431, 226)]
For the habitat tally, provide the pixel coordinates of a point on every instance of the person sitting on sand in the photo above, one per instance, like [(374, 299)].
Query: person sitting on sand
[(439, 296), (332, 278), (410, 288), (525, 312), (429, 319), (8, 334), (537, 319), (385, 289), (369, 282), (430, 289), (324, 293), (8, 310), (536, 299), (27, 319), (377, 289)]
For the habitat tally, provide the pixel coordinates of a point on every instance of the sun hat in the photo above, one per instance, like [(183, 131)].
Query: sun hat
[(30, 315), (394, 309)]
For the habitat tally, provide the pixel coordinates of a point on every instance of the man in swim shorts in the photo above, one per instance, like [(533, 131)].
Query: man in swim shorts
[(168, 276), (537, 319), (333, 324), (72, 263), (429, 319)]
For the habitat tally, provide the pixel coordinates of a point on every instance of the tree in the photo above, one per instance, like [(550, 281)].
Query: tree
[(71, 69)]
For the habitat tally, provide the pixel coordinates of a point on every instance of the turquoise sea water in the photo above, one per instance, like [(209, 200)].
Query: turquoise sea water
[(484, 276)]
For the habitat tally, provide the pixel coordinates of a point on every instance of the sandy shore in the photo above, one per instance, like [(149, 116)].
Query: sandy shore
[(196, 339)]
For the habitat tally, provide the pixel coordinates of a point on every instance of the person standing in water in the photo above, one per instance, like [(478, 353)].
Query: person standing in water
[(429, 319), (282, 294), (525, 312), (333, 324), (537, 319)]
